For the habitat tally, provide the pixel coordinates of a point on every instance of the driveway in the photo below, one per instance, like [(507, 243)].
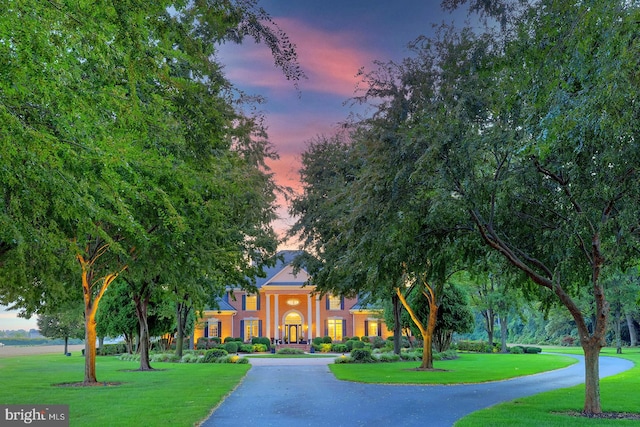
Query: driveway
[(303, 392)]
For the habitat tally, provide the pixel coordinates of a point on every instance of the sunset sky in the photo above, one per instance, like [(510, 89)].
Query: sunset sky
[(334, 39)]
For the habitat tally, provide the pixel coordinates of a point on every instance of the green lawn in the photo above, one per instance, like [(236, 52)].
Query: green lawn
[(174, 395), (469, 368), (619, 393)]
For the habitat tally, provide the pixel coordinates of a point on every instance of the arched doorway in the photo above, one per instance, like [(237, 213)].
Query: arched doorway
[(293, 327)]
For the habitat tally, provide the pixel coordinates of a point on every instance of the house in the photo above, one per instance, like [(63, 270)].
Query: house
[(286, 311)]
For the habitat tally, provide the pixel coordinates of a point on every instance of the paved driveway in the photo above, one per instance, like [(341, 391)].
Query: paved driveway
[(303, 392)]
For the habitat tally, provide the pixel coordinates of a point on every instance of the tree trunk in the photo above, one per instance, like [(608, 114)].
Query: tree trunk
[(633, 337), (90, 347), (66, 344), (427, 332), (181, 320), (503, 333), (397, 328), (128, 339), (91, 302), (592, 378), (489, 320), (616, 328), (142, 304)]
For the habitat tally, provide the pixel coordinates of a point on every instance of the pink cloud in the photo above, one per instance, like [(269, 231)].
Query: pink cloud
[(330, 60)]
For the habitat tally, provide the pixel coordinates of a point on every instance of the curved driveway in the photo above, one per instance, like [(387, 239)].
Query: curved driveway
[(303, 392)]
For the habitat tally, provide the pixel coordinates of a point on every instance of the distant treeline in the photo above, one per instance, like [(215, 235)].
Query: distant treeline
[(37, 341)]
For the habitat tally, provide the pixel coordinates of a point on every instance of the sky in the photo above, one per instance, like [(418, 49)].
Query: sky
[(334, 39)]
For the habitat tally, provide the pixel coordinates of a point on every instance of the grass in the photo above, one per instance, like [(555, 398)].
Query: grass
[(176, 394), (468, 368), (618, 393)]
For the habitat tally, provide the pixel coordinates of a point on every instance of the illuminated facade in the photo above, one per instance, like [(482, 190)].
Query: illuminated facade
[(286, 311)]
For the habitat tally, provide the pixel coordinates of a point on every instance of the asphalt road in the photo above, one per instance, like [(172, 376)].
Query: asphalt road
[(303, 392)]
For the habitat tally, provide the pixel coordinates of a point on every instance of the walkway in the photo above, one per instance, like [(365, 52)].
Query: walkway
[(303, 392)]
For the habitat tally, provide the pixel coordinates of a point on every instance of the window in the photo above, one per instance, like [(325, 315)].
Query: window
[(334, 329), (372, 328), (335, 302), (251, 329), (250, 302), (214, 328)]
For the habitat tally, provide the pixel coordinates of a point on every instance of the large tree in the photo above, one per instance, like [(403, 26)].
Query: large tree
[(540, 147), (95, 131), (65, 323)]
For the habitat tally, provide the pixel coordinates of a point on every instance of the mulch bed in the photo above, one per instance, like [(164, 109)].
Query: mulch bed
[(82, 384), (604, 415)]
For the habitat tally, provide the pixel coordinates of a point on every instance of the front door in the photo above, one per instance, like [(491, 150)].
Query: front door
[(293, 333), (293, 327)]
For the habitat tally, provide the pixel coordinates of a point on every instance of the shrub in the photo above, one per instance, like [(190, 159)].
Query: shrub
[(516, 350), (362, 355), (261, 340), (358, 344), (567, 341), (410, 356), (260, 348), (243, 348), (388, 357), (339, 348), (325, 348), (317, 341), (326, 340), (164, 357), (475, 346), (231, 347), (129, 357), (232, 358), (349, 345), (228, 339), (288, 350), (190, 358), (365, 339), (211, 355), (378, 342), (446, 355), (532, 350), (111, 349), (343, 359)]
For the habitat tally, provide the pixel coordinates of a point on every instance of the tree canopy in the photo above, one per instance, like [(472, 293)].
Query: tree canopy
[(125, 153)]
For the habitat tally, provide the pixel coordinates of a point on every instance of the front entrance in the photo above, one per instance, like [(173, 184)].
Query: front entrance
[(293, 327)]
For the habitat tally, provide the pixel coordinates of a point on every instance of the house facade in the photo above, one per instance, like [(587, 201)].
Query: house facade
[(286, 311)]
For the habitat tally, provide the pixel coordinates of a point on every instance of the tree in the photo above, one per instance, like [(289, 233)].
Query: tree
[(117, 315), (97, 120), (64, 324), (545, 160)]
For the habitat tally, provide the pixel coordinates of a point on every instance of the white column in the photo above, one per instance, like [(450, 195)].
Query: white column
[(268, 332), (318, 325), (309, 330), (276, 319)]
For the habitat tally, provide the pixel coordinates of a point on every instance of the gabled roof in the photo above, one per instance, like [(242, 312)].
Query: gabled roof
[(285, 258)]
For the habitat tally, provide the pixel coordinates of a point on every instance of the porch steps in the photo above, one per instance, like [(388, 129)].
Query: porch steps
[(303, 347)]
